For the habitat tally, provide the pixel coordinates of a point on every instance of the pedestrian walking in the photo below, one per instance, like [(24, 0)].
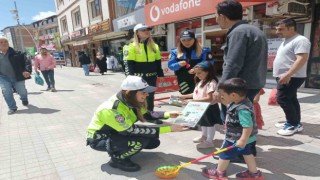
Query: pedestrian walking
[(15, 68), (245, 50), (241, 131), (183, 58), (101, 62), (85, 62), (46, 64), (113, 127), (290, 71), (206, 83), (143, 59)]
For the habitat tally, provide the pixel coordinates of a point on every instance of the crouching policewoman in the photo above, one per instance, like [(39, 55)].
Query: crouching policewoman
[(113, 129)]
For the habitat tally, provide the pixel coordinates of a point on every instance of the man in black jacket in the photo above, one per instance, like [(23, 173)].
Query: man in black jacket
[(15, 68), (85, 62)]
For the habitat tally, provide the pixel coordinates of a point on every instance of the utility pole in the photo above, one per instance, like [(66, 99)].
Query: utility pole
[(16, 12)]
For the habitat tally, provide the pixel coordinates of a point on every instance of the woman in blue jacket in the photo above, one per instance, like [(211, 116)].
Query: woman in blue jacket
[(183, 58)]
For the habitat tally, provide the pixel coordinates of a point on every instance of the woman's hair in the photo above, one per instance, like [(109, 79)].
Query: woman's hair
[(234, 85), (205, 66), (196, 46), (136, 43), (130, 98)]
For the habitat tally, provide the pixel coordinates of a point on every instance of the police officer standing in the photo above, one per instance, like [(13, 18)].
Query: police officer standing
[(143, 59), (183, 58)]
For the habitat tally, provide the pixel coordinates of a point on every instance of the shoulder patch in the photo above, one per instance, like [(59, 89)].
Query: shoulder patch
[(119, 118)]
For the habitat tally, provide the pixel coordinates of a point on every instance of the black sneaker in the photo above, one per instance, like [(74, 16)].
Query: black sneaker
[(25, 103), (124, 164), (12, 111)]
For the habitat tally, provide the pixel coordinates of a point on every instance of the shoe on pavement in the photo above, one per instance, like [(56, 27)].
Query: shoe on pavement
[(25, 103), (53, 90), (289, 130), (12, 111), (214, 174), (279, 125), (199, 139), (124, 164), (205, 144), (48, 89), (249, 175)]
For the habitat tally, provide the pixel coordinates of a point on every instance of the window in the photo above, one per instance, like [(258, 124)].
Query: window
[(64, 25), (95, 8), (59, 2), (76, 18), (126, 6)]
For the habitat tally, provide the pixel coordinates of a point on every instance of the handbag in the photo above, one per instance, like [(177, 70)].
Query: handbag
[(96, 69), (38, 79), (272, 101), (91, 68)]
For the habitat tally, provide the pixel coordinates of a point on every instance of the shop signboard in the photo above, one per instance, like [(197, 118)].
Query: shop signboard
[(161, 12), (167, 84), (273, 45)]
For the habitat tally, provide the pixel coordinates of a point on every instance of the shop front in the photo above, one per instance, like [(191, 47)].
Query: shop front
[(98, 32)]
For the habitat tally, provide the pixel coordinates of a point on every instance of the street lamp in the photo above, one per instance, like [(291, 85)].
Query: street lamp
[(15, 11)]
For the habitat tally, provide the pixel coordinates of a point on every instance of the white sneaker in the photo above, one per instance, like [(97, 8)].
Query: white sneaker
[(199, 139), (205, 144), (289, 130), (280, 124)]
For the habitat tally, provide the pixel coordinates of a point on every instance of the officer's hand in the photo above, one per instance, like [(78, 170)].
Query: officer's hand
[(174, 114), (26, 74), (191, 71), (182, 63), (178, 128)]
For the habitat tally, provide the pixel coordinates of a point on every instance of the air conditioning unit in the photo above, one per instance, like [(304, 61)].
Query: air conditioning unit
[(159, 30), (287, 7)]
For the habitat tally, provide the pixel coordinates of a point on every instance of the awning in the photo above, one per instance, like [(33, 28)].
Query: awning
[(111, 35), (161, 12)]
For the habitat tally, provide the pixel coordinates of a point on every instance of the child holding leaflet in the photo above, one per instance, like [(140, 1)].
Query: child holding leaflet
[(206, 83)]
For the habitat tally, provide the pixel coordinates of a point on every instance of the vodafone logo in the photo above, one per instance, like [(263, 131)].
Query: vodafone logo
[(154, 10), (182, 5)]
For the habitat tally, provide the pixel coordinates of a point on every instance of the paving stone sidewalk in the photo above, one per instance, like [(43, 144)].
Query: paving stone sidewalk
[(46, 140)]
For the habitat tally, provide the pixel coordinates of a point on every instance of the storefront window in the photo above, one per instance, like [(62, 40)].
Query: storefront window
[(127, 6)]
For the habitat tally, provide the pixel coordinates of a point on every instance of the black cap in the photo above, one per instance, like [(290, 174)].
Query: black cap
[(187, 35)]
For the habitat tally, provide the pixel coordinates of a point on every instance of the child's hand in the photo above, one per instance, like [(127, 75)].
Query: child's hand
[(174, 114), (241, 143), (185, 102), (178, 128)]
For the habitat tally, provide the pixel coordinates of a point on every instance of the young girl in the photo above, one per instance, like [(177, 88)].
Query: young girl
[(206, 83)]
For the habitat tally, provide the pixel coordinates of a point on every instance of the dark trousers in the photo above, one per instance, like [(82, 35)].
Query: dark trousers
[(152, 81), (121, 147), (287, 99), (48, 76)]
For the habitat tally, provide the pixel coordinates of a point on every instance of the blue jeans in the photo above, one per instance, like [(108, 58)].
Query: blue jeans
[(48, 76), (6, 84), (85, 68)]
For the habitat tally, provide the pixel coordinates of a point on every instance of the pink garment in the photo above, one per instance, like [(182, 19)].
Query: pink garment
[(44, 62), (202, 92)]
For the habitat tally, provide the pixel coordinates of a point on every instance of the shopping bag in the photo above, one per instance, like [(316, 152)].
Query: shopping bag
[(96, 69), (272, 101), (91, 68), (38, 79)]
